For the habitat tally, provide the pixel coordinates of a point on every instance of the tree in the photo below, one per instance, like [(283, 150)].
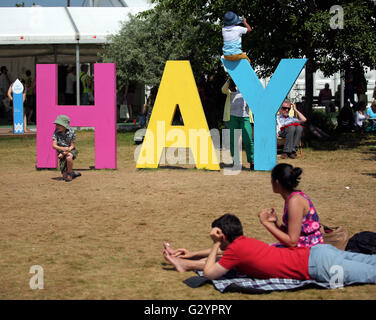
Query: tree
[(291, 29), (147, 41)]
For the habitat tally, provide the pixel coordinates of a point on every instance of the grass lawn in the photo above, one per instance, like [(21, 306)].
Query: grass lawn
[(100, 236)]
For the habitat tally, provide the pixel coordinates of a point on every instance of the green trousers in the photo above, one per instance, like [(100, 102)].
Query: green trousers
[(245, 126)]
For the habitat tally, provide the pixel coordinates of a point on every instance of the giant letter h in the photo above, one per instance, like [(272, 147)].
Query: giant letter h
[(101, 116)]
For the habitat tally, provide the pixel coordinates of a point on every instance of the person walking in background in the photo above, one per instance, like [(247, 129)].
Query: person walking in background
[(70, 98), (85, 83)]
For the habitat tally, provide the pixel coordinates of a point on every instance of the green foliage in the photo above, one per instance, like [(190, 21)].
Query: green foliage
[(191, 30), (147, 41), (294, 29), (322, 120)]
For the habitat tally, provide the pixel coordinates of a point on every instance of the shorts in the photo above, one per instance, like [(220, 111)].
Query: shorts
[(236, 57), (63, 162)]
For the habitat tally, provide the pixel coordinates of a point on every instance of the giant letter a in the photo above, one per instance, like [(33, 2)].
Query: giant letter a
[(178, 88)]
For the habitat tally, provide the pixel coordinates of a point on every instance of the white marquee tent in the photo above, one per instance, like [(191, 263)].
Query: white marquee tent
[(61, 35)]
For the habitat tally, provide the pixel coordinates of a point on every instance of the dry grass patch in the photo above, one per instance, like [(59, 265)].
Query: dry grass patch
[(100, 236)]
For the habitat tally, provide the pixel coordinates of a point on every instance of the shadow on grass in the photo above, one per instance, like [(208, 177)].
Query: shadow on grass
[(373, 175), (345, 140), (168, 266), (170, 167)]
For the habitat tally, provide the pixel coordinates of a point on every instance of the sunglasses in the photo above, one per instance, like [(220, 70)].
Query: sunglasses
[(286, 108)]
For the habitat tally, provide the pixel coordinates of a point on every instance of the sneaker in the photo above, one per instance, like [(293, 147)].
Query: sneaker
[(284, 156), (293, 155), (76, 174)]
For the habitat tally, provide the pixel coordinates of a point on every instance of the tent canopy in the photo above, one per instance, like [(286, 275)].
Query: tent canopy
[(51, 34), (60, 35)]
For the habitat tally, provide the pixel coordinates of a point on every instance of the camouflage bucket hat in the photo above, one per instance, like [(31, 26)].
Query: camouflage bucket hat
[(63, 121)]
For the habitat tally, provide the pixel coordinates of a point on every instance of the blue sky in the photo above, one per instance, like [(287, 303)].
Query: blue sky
[(45, 3)]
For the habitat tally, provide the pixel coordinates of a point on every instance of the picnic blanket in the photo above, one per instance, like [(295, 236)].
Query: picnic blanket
[(235, 282)]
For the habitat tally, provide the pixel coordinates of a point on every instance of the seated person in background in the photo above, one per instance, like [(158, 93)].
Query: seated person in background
[(232, 36), (325, 99), (290, 129), (371, 116), (360, 116), (345, 120), (371, 111)]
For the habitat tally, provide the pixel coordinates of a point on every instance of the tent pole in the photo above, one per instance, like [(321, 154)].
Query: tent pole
[(77, 55), (78, 74)]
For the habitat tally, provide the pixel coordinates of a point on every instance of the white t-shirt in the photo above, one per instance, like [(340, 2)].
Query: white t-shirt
[(71, 78), (359, 118), (239, 108), (232, 39)]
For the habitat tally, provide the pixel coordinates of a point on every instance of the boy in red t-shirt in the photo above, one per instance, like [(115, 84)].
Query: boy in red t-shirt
[(260, 260)]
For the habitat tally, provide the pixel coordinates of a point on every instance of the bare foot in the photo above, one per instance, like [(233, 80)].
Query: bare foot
[(167, 247), (176, 262)]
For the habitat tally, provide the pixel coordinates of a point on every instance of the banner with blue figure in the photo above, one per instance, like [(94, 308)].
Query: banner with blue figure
[(18, 115)]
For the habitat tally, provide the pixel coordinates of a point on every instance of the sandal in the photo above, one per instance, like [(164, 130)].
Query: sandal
[(68, 177)]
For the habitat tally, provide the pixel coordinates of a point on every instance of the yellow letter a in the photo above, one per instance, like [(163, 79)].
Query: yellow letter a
[(178, 87)]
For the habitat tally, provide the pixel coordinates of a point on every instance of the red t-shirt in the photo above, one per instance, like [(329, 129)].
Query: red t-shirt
[(259, 260)]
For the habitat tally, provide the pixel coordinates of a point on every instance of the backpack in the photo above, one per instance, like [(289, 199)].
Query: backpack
[(362, 242)]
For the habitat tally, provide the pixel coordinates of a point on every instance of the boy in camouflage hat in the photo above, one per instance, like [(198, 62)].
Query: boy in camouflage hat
[(63, 142)]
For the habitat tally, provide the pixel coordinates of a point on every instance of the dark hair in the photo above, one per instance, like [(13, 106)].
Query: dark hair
[(232, 86), (230, 225), (28, 73), (287, 175)]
